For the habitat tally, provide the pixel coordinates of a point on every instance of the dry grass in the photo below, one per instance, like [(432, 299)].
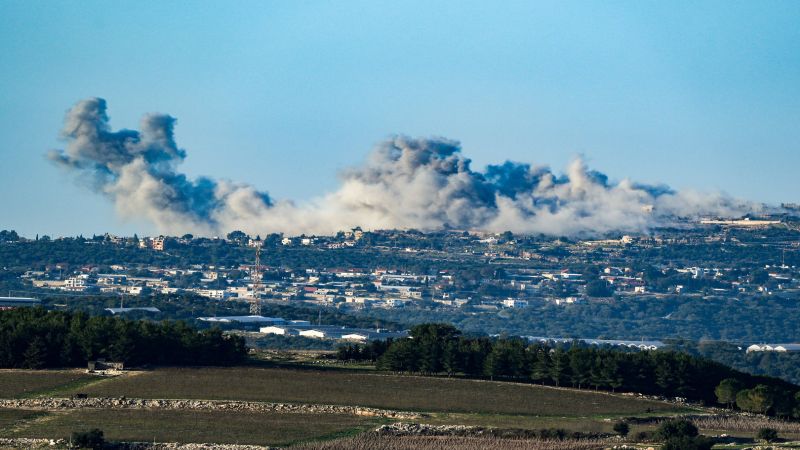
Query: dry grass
[(746, 424), (580, 424), (196, 426), (370, 389), (25, 383), (369, 441)]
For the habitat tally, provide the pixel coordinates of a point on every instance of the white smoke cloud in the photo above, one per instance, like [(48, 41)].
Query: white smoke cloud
[(405, 183)]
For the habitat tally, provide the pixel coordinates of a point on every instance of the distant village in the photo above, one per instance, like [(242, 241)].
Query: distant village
[(539, 278)]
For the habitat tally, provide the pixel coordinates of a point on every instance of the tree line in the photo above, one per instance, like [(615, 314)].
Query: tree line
[(36, 338), (442, 349)]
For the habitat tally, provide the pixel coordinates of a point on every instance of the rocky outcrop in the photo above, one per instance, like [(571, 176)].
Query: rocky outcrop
[(53, 404)]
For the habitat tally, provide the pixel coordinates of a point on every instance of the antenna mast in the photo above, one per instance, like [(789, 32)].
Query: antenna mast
[(255, 302)]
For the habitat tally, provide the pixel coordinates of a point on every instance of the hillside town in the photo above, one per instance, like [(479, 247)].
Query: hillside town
[(513, 271)]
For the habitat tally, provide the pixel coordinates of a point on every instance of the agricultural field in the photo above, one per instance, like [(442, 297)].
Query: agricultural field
[(26, 383), (347, 387), (194, 426), (443, 401)]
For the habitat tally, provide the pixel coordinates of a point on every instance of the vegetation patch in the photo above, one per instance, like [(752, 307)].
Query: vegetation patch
[(10, 418)]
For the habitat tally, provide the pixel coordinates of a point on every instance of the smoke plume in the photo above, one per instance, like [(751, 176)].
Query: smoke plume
[(405, 183)]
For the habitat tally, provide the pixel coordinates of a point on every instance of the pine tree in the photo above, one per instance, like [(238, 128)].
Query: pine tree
[(35, 356)]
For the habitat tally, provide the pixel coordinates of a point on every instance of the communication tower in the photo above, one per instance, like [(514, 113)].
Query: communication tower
[(255, 274)]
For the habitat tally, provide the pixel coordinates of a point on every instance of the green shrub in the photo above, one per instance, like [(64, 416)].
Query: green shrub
[(622, 428)]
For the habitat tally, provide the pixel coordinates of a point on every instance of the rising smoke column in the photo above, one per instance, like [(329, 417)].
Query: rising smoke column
[(137, 170), (405, 183)]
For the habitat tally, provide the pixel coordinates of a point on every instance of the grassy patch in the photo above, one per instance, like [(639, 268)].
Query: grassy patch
[(10, 418), (199, 426), (346, 387), (27, 383)]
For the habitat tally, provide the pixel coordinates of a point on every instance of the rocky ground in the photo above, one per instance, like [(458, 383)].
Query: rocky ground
[(55, 404)]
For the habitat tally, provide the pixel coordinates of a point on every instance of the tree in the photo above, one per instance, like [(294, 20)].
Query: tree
[(8, 236), (767, 434), (599, 288), (622, 428), (429, 341), (541, 365), (237, 236), (559, 367), (580, 366), (743, 400), (759, 399), (507, 359), (450, 357), (35, 356), (726, 391)]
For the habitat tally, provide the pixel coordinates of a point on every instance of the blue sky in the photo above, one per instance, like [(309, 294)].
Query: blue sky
[(283, 95)]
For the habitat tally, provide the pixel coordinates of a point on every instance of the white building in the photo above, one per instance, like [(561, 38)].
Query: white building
[(215, 294), (316, 334), (279, 330), (358, 337), (515, 303), (781, 348)]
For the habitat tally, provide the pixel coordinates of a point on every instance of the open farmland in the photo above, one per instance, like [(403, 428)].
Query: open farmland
[(24, 383), (194, 426), (369, 389)]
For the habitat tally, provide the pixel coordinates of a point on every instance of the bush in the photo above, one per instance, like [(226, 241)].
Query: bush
[(92, 439), (622, 428), (676, 428), (767, 434)]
